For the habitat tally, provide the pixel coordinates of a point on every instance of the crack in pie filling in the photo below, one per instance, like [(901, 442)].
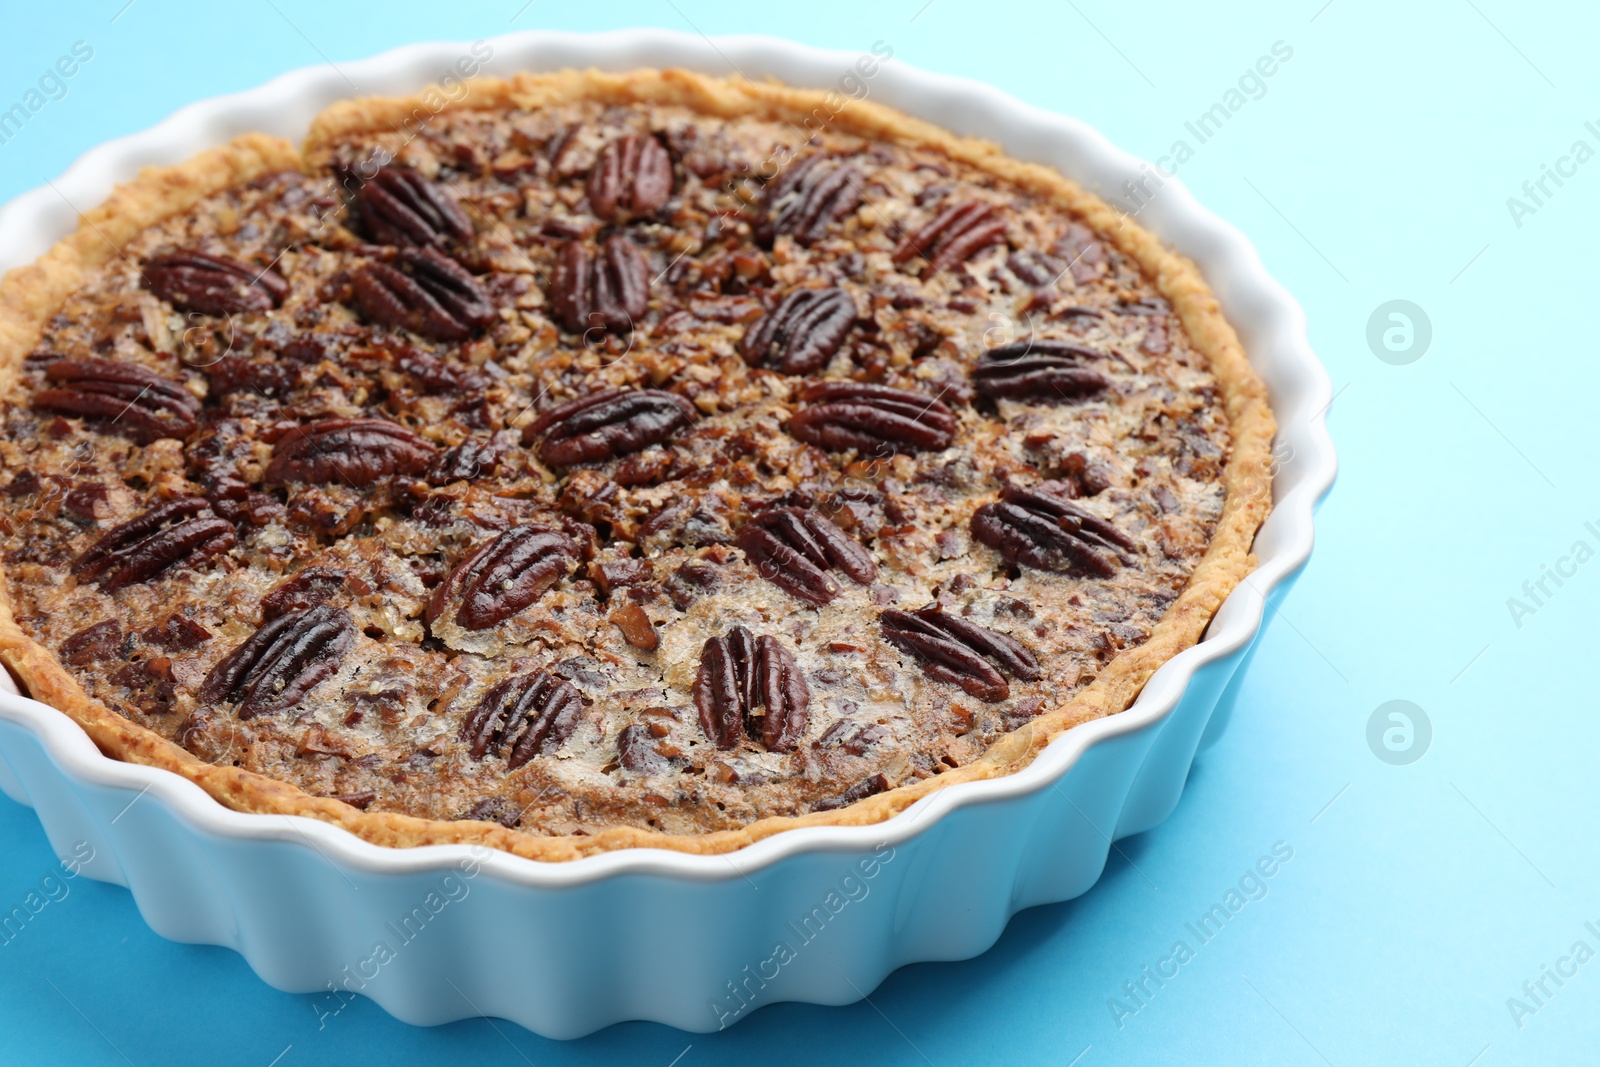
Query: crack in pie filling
[(611, 460)]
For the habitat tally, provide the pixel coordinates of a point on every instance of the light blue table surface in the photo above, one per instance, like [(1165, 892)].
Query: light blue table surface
[(1376, 165)]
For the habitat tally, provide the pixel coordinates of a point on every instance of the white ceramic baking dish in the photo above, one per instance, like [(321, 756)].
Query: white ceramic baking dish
[(816, 915)]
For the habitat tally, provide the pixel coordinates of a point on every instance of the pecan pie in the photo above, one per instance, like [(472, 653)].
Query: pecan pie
[(611, 460)]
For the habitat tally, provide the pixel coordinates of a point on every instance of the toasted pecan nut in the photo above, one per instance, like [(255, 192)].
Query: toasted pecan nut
[(638, 750), (608, 292), (398, 206), (476, 457), (722, 687), (795, 548), (610, 423), (281, 662), (1043, 371), (808, 197), (123, 397), (753, 683), (352, 451), (522, 717), (502, 576), (870, 786), (434, 375), (1036, 268), (306, 589), (177, 633), (1042, 528), (438, 299), (631, 179), (802, 333), (780, 688), (179, 531), (390, 298), (874, 419), (952, 237), (635, 625), (212, 285), (95, 643), (611, 575), (951, 649)]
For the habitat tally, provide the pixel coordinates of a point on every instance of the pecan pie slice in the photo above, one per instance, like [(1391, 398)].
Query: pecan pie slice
[(613, 471)]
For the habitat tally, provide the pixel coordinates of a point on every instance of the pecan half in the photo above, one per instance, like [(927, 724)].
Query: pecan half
[(612, 422), (307, 589), (212, 285), (638, 751), (807, 198), (1042, 528), (95, 644), (522, 717), (723, 692), (802, 333), (398, 206), (870, 786), (438, 299), (952, 237), (354, 451), (1040, 370), (752, 682), (795, 548), (1034, 267), (636, 627), (473, 458), (501, 577), (432, 374), (874, 419), (281, 662), (951, 649), (632, 178), (175, 532), (131, 400), (609, 291), (177, 633)]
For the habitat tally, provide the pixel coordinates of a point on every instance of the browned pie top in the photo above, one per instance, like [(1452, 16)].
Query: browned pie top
[(599, 466)]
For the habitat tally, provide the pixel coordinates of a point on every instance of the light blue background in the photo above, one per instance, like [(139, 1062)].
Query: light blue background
[(1377, 166)]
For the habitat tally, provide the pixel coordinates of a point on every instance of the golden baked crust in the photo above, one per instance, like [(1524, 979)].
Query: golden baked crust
[(30, 295)]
